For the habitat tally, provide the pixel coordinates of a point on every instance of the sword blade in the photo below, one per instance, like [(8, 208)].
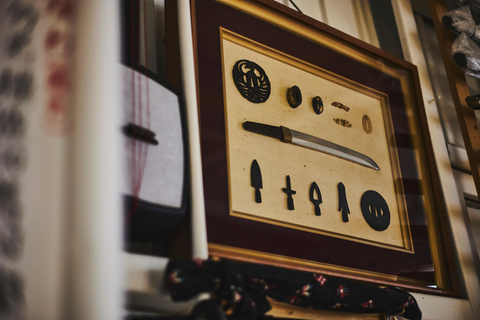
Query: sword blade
[(318, 144), (308, 141), (289, 184)]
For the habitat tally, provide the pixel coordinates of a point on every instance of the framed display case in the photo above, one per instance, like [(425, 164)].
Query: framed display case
[(315, 150)]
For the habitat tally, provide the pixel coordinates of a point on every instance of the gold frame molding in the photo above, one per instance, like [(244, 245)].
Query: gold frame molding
[(223, 251)]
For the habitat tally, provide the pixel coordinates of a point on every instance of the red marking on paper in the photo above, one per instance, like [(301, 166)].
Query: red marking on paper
[(53, 39), (57, 44), (58, 78), (66, 9), (62, 8)]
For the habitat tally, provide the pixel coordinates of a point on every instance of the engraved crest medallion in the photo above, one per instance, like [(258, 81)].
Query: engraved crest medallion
[(251, 81)]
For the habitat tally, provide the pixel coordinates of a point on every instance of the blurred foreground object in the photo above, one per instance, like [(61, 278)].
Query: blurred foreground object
[(466, 54)]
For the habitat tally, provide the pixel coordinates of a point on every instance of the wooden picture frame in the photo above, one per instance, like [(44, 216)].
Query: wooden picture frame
[(412, 250)]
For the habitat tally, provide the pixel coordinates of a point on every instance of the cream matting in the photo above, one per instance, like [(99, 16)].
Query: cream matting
[(304, 166)]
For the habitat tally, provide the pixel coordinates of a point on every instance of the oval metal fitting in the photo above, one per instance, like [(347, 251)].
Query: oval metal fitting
[(294, 96), (367, 124), (317, 104)]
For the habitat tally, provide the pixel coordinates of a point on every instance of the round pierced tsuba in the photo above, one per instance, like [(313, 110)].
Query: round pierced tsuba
[(375, 210), (251, 81)]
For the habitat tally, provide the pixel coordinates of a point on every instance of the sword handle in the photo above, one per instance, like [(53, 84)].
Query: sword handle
[(258, 196), (290, 205)]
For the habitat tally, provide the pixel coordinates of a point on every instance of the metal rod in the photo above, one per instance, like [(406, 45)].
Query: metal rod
[(293, 3)]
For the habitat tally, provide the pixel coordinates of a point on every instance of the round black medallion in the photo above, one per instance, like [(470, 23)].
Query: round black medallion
[(251, 81), (375, 210)]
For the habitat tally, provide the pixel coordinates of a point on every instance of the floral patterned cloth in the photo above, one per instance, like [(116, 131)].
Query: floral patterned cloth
[(243, 289)]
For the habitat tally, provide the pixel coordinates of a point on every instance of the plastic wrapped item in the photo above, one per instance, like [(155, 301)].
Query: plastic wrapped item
[(460, 20), (476, 36), (466, 54), (473, 4), (474, 7), (473, 101)]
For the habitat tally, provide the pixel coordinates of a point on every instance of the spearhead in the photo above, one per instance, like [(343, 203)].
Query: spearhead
[(256, 180)]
